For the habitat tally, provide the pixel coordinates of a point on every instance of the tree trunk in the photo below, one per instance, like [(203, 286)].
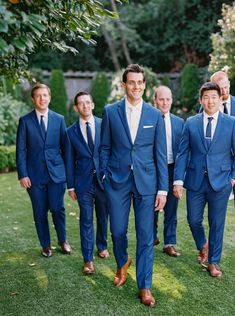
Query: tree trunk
[(112, 49), (123, 40)]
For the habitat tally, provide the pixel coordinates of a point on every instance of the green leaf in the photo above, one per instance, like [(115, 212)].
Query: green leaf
[(3, 26), (18, 43)]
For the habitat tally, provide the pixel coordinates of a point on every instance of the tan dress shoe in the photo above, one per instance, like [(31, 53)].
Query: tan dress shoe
[(214, 270), (203, 254), (103, 253), (46, 252), (65, 247), (147, 298), (88, 268), (156, 242), (121, 274), (170, 251)]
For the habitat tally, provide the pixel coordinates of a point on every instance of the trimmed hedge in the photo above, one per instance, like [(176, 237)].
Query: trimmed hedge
[(7, 158)]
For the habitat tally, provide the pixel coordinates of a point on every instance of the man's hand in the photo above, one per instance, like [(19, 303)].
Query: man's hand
[(178, 191), (160, 202), (232, 182), (73, 195), (25, 182)]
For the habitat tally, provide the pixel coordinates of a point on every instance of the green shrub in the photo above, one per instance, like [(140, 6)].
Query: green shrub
[(117, 91), (59, 97), (165, 80), (100, 91), (10, 112), (189, 86), (7, 158)]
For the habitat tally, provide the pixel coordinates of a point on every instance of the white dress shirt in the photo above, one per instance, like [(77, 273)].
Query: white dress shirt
[(213, 127), (133, 113), (82, 124), (228, 105), (45, 117), (213, 122), (167, 119)]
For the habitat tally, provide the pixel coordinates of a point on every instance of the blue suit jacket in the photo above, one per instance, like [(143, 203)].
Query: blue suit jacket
[(34, 154), (194, 157), (177, 125), (147, 155), (232, 111), (80, 162)]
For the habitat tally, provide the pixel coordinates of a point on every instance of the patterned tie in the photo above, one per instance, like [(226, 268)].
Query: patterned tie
[(89, 137), (225, 108), (43, 127), (208, 132)]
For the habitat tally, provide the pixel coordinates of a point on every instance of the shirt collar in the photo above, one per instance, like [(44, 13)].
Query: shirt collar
[(91, 121), (39, 114), (215, 115), (167, 115), (137, 107)]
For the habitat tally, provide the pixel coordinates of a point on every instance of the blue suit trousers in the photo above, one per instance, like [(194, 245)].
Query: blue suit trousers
[(170, 213), (45, 197), (86, 202), (119, 203), (217, 206)]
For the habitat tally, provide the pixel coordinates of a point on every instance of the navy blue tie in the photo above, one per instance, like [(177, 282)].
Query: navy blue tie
[(225, 108), (89, 137), (43, 127), (208, 132)]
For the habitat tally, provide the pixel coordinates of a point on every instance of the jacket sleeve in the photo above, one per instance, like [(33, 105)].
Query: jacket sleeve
[(21, 150), (105, 143)]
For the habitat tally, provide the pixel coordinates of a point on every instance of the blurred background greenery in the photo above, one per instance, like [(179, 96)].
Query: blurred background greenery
[(74, 45)]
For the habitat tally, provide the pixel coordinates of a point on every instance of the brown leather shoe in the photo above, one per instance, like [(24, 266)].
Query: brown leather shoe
[(88, 268), (203, 254), (214, 270), (46, 252), (156, 242), (103, 253), (170, 251), (121, 274), (147, 298), (65, 247)]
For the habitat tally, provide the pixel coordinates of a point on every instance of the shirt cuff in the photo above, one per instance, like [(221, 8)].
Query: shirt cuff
[(178, 182), (71, 189), (162, 193)]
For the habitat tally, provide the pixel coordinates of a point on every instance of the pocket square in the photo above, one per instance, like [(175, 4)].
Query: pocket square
[(147, 126)]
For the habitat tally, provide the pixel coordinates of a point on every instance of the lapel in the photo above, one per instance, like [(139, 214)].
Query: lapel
[(201, 129), (143, 117), (232, 111), (217, 130), (36, 123), (78, 132), (122, 114), (173, 132), (97, 132)]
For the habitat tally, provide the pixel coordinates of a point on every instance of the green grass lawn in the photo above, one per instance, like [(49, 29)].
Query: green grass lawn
[(33, 285)]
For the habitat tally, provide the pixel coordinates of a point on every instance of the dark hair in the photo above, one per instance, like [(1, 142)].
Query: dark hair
[(209, 86), (132, 68), (79, 94), (39, 85)]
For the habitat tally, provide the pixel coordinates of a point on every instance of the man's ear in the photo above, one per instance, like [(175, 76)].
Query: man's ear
[(75, 108)]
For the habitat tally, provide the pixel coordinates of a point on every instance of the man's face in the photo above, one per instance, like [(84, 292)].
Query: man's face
[(224, 85), (134, 87), (41, 99), (84, 107), (163, 99), (210, 101)]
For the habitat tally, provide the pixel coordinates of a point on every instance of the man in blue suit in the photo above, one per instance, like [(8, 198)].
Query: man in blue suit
[(173, 128), (133, 165), (206, 167), (40, 148), (227, 105), (228, 101), (83, 179)]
